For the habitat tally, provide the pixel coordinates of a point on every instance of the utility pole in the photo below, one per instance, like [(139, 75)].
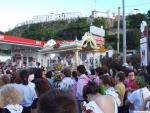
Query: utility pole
[(124, 33), (95, 5), (118, 33)]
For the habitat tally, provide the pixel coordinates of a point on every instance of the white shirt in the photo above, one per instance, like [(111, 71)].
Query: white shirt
[(95, 108), (111, 91), (66, 83), (14, 108), (137, 98), (28, 93)]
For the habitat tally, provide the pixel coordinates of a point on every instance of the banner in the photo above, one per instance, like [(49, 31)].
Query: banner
[(144, 44)]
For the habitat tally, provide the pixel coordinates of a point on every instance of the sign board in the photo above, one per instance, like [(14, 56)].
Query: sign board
[(144, 44), (143, 53), (99, 40), (97, 31), (20, 40)]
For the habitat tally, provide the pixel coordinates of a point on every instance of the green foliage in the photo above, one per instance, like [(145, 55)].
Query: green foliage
[(133, 39), (100, 22), (116, 24), (111, 40), (60, 30), (68, 30), (140, 81), (134, 21)]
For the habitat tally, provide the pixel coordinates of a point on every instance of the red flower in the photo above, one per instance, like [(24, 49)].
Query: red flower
[(87, 110)]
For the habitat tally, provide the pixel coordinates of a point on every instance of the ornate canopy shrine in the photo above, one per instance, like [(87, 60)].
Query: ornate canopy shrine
[(86, 51)]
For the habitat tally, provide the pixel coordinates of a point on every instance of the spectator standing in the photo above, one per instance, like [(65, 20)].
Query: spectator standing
[(68, 84), (27, 90), (57, 101), (82, 81), (137, 98), (9, 99), (41, 86), (120, 87), (109, 83), (97, 103)]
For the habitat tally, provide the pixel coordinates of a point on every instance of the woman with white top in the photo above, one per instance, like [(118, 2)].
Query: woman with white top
[(109, 83), (27, 90), (97, 103), (137, 98)]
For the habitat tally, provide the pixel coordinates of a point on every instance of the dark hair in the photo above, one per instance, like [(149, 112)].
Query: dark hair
[(37, 63), (121, 76), (81, 69), (42, 85), (147, 80), (49, 74), (75, 75), (57, 101), (105, 69), (8, 72), (24, 63), (38, 73), (129, 71), (86, 73), (67, 72), (24, 75), (108, 80), (101, 70), (92, 71), (148, 69), (90, 88)]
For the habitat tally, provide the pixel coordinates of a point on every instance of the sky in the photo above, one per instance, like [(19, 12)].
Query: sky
[(13, 12)]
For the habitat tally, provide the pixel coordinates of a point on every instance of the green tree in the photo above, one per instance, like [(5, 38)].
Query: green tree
[(100, 22), (134, 21), (133, 39)]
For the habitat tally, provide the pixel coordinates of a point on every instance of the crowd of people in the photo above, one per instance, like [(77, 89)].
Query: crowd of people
[(74, 90)]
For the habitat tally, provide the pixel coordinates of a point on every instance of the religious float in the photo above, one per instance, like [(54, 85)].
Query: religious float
[(87, 51)]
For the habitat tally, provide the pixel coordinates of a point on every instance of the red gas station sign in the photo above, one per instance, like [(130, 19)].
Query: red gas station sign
[(20, 40)]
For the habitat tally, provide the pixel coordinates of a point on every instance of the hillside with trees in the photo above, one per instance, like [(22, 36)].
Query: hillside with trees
[(70, 29), (64, 30), (1, 32)]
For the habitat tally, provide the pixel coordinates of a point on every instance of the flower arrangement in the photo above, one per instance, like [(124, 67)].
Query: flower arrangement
[(57, 77), (58, 67)]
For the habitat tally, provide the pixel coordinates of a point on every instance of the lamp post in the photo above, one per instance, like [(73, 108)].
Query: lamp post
[(124, 33), (118, 33)]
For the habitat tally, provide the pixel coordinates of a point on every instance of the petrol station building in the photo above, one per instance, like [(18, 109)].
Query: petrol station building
[(22, 50)]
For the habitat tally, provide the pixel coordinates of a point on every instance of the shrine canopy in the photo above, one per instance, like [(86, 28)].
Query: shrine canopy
[(89, 42)]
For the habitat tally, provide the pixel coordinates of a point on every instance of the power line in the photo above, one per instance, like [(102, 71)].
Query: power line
[(143, 4)]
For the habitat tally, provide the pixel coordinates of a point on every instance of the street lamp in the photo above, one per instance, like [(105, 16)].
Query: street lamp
[(124, 33)]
